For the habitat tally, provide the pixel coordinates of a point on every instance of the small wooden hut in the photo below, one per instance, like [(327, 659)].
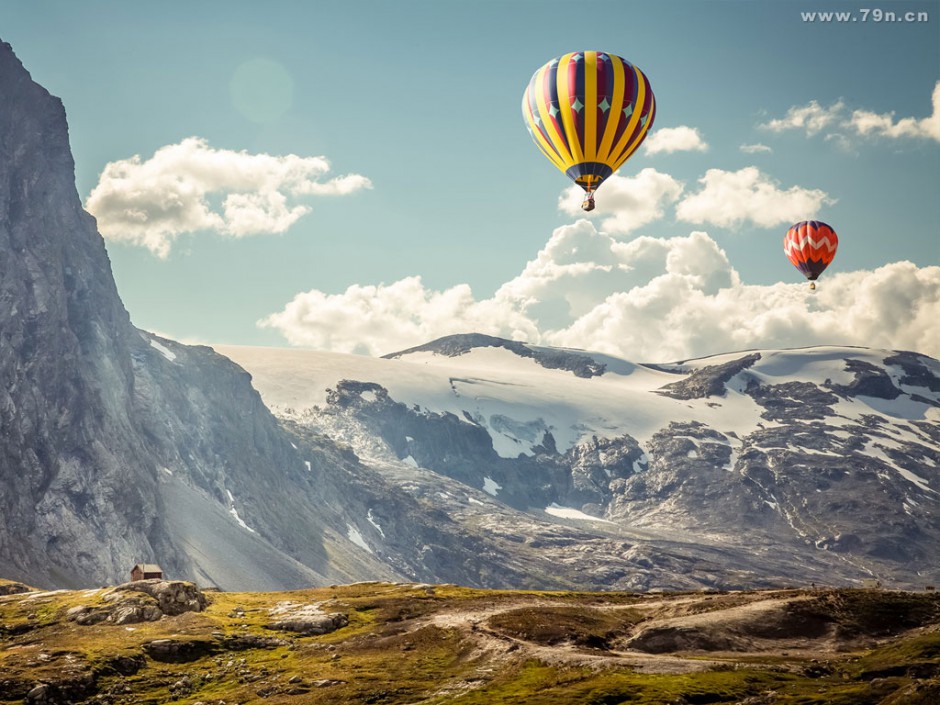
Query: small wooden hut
[(146, 571)]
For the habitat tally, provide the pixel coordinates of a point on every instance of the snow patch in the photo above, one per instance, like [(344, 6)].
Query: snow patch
[(876, 449), (234, 513), (352, 533), (371, 520), (490, 486), (570, 513), (163, 350)]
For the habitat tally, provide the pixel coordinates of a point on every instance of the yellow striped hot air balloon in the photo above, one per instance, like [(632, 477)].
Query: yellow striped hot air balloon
[(588, 112)]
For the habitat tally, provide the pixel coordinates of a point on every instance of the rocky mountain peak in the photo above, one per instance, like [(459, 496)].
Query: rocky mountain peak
[(116, 445)]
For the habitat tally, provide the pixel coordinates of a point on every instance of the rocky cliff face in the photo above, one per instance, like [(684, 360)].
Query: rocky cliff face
[(117, 446), (69, 460)]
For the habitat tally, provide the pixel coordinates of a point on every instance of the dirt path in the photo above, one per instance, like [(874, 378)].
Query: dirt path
[(472, 625)]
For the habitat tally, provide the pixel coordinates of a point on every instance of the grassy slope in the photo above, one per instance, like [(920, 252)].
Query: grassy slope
[(446, 644)]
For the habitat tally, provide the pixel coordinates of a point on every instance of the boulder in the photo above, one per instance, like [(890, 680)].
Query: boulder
[(173, 597), (141, 601), (305, 619)]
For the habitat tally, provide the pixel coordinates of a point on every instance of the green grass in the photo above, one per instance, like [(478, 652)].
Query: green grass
[(429, 645), (537, 683)]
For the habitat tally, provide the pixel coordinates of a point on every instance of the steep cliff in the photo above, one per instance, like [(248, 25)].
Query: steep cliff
[(117, 446)]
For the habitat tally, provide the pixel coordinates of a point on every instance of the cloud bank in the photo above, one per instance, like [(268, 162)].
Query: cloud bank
[(628, 202), (731, 198), (725, 199), (649, 299), (868, 123), (190, 186), (813, 118)]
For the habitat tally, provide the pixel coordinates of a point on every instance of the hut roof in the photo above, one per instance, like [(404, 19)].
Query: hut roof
[(148, 568)]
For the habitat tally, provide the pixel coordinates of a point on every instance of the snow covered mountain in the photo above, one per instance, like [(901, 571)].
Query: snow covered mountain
[(764, 467)]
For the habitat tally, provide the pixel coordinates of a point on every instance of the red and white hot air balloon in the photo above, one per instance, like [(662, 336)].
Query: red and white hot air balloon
[(811, 245)]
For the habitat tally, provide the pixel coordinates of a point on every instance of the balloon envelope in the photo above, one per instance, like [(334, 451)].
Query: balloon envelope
[(810, 246), (588, 112)]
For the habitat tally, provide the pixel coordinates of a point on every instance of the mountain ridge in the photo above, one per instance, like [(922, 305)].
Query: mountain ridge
[(777, 447)]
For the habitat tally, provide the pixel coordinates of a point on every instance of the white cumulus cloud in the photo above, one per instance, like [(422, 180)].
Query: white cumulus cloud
[(375, 320), (675, 139), (649, 299), (626, 203), (868, 123), (836, 120), (669, 318), (191, 186), (811, 117), (730, 198)]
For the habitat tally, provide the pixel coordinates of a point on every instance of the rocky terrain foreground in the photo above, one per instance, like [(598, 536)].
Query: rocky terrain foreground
[(160, 641)]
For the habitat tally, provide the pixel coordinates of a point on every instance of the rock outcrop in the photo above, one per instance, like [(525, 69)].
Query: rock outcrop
[(141, 601)]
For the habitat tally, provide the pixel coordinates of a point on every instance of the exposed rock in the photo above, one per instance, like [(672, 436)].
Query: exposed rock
[(122, 665), (87, 615), (65, 689), (869, 381), (305, 619), (709, 381), (173, 596), (178, 650), (141, 601), (579, 363), (919, 370), (13, 588), (792, 401)]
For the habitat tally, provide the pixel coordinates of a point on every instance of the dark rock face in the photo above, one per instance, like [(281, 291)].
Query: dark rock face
[(66, 364), (870, 381), (709, 381), (179, 650), (457, 447), (916, 370), (581, 365)]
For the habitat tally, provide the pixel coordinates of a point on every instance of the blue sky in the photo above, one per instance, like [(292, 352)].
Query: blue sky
[(420, 102)]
